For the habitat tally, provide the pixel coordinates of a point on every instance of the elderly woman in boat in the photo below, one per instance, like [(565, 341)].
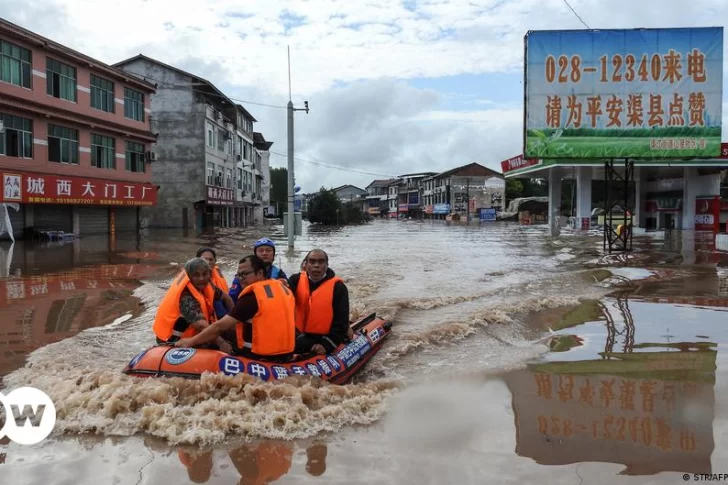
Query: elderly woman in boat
[(189, 305), (217, 278)]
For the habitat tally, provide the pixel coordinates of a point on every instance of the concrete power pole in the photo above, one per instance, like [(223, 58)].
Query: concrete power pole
[(291, 179), (291, 193)]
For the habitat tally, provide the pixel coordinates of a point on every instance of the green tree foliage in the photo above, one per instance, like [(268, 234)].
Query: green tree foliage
[(279, 187), (526, 187), (326, 209)]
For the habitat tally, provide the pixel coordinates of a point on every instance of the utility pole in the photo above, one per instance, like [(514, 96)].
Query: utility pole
[(291, 178)]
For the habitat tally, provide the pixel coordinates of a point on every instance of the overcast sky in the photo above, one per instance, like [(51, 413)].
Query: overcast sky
[(393, 86)]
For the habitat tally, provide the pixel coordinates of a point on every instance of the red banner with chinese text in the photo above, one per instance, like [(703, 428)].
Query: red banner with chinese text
[(34, 188), (518, 162)]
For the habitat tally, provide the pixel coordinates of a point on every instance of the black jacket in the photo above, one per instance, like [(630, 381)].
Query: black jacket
[(340, 325)]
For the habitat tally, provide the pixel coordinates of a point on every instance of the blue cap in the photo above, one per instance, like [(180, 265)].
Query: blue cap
[(264, 241)]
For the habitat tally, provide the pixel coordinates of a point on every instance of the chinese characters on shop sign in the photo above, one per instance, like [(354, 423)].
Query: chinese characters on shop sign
[(220, 196), (53, 189)]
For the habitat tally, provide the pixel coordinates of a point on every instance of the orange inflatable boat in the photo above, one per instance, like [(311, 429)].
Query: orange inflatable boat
[(337, 367)]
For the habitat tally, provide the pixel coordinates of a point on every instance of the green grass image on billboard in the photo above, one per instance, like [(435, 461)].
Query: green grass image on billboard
[(627, 143)]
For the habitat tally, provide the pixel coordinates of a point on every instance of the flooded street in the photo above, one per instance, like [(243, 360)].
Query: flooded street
[(514, 357)]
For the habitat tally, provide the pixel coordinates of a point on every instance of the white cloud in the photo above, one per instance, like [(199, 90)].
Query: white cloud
[(376, 124)]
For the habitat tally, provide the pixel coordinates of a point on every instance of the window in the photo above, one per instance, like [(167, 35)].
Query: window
[(134, 157), (15, 64), (102, 94), (221, 140), (240, 178), (17, 140), (210, 134), (219, 181), (103, 151), (210, 173), (240, 146), (62, 144), (229, 179), (133, 104), (60, 80)]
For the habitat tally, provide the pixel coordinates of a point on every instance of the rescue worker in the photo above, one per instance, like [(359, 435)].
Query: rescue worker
[(217, 279), (236, 287), (265, 249), (263, 317), (322, 306), (188, 306)]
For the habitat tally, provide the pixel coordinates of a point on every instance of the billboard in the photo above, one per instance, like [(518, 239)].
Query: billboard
[(645, 93)]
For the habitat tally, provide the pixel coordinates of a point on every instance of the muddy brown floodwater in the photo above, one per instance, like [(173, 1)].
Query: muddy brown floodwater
[(515, 358)]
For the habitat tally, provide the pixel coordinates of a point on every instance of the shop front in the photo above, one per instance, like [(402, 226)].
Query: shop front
[(219, 202), (78, 205)]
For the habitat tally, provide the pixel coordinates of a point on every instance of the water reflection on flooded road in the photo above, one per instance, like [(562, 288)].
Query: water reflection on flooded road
[(467, 389), (635, 386)]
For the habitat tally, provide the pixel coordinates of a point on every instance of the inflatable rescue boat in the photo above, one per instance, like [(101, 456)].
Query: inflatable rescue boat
[(337, 367)]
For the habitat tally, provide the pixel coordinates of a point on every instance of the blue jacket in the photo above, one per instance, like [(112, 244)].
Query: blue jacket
[(274, 272), (220, 309)]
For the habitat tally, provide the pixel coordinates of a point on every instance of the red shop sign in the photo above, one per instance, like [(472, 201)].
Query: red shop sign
[(33, 188), (518, 162)]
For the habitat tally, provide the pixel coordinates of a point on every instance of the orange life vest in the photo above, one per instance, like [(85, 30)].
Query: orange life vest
[(168, 311), (219, 280), (315, 311), (274, 328)]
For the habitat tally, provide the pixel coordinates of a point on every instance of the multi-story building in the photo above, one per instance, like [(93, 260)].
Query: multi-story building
[(377, 197), (75, 138), (409, 194), (246, 157), (462, 191), (393, 197), (204, 139), (349, 193), (262, 149)]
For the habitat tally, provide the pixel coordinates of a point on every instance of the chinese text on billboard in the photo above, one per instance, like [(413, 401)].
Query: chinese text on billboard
[(624, 93)]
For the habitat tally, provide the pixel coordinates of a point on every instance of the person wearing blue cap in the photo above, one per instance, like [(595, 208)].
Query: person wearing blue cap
[(265, 249)]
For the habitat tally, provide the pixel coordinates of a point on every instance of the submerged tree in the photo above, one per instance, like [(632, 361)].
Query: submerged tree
[(325, 208)]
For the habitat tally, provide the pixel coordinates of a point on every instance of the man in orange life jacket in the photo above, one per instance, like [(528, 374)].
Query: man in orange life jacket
[(189, 305), (263, 317), (322, 306)]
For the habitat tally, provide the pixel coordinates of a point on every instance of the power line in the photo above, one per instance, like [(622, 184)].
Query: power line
[(184, 85), (336, 167), (577, 15)]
